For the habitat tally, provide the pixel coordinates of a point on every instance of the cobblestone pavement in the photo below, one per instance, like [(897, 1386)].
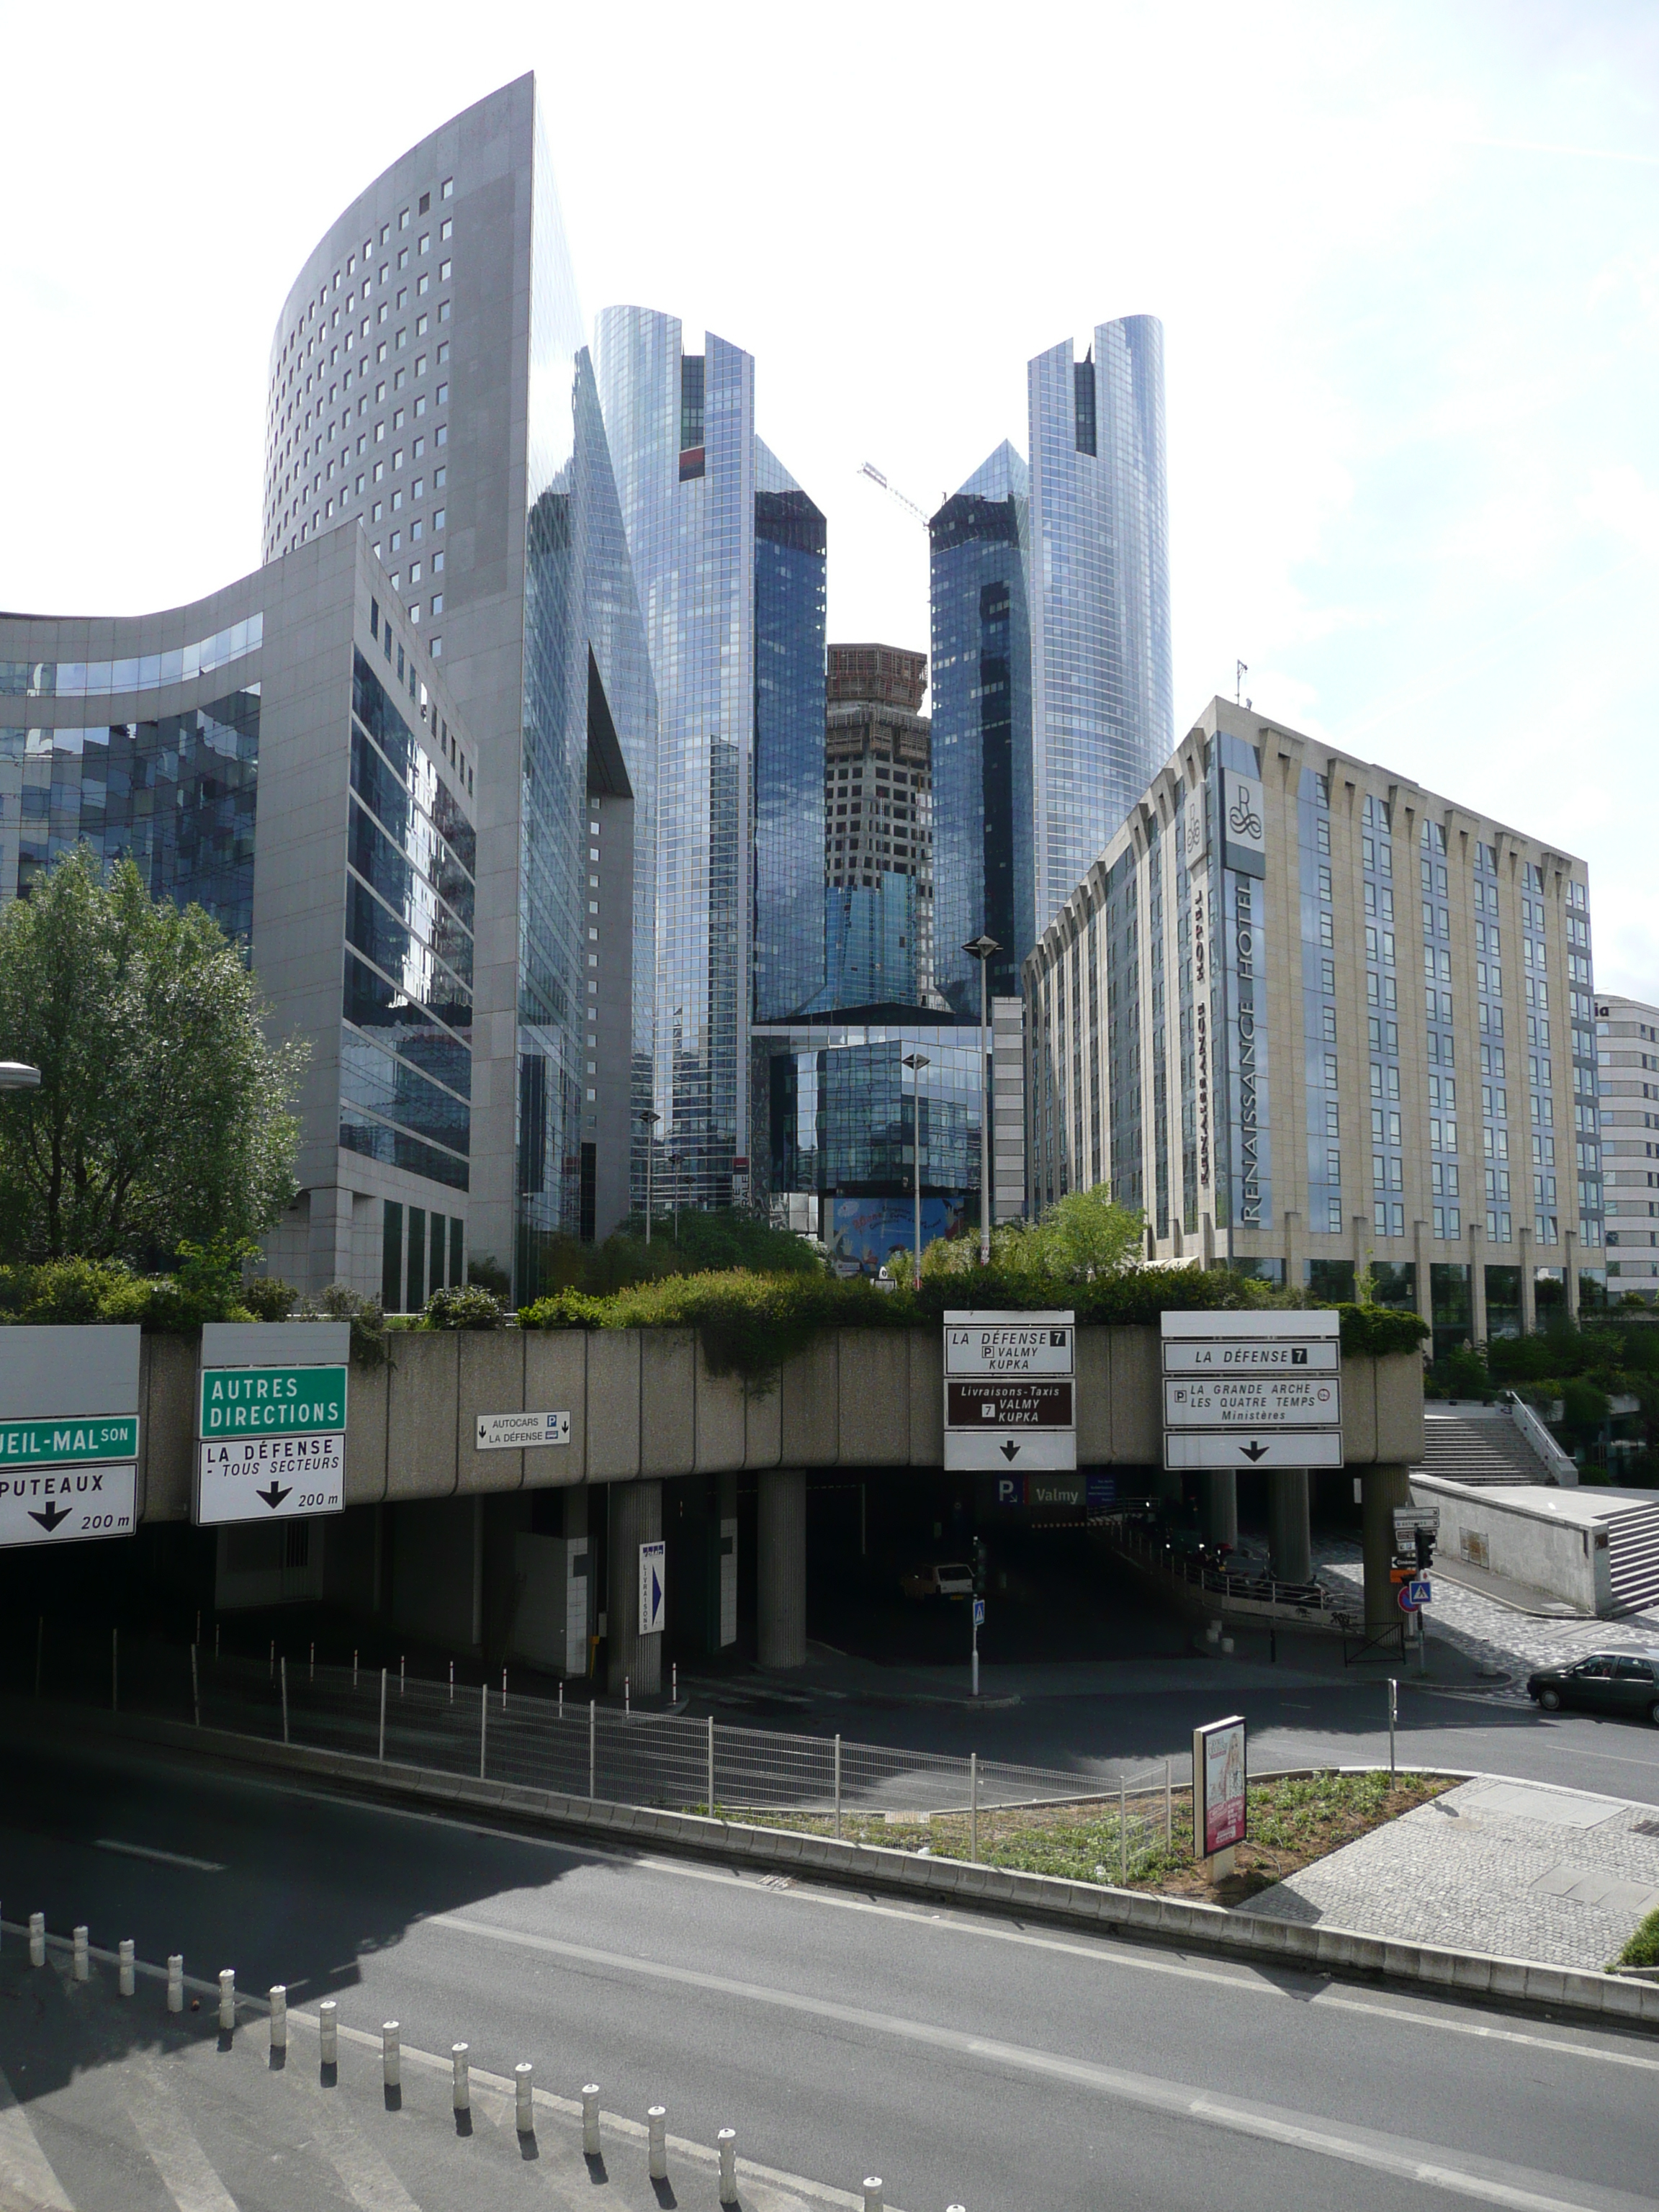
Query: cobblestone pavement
[(1510, 1867), (1493, 1635)]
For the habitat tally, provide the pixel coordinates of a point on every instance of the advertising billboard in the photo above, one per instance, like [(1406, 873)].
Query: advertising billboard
[(866, 1232), (1220, 1785)]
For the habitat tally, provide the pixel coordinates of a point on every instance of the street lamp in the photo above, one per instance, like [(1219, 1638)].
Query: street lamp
[(19, 1075), (984, 950), (674, 1163), (916, 1061), (650, 1119)]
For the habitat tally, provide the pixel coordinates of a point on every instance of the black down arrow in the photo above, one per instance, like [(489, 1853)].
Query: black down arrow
[(273, 1497), (1010, 1452), (50, 1519), (1253, 1451)]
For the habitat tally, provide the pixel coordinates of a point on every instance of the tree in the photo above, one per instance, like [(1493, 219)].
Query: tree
[(163, 1114), (1082, 1238)]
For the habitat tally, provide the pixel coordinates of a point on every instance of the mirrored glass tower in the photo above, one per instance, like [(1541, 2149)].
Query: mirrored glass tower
[(728, 555)]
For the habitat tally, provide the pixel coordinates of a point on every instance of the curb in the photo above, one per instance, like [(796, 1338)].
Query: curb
[(1086, 1904)]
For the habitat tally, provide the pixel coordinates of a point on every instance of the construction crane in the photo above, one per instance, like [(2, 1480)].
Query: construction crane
[(876, 476)]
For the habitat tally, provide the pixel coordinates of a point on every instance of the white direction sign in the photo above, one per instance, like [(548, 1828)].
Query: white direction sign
[(1220, 1448), (270, 1478), (1250, 1402), (1010, 1396), (522, 1431), (1262, 1389), (654, 1587), (1009, 1344), (55, 1505)]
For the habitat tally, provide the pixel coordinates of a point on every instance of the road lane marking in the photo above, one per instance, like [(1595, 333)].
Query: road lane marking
[(27, 2178), (1520, 2189), (185, 2171), (761, 2179), (162, 1858)]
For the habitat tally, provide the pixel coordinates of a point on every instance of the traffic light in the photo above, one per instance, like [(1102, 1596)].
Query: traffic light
[(1425, 1549)]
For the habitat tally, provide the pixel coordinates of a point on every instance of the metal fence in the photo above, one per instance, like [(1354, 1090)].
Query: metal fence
[(957, 1807), (1144, 1540)]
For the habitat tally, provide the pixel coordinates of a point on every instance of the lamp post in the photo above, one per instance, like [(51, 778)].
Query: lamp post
[(984, 950), (674, 1163), (650, 1119), (916, 1061), (19, 1075)]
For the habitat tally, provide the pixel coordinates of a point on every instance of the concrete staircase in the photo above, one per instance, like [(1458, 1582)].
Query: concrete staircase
[(1477, 1444), (1633, 1559)]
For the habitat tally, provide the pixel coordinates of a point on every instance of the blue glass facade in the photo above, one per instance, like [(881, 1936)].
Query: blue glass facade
[(1101, 712), (177, 795), (981, 737), (789, 708), (870, 939), (405, 1043), (688, 471), (836, 1107)]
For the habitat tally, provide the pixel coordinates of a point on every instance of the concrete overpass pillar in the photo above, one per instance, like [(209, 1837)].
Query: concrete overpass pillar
[(1380, 1489), (635, 1519), (781, 1562), (1221, 1506), (1289, 1533)]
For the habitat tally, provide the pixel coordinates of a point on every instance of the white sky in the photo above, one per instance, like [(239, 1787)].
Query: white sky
[(1406, 257)]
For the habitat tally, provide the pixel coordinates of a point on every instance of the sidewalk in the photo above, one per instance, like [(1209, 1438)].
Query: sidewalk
[(1509, 1867), (1493, 1639)]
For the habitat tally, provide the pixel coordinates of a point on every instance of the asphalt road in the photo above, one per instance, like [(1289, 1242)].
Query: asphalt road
[(965, 2059)]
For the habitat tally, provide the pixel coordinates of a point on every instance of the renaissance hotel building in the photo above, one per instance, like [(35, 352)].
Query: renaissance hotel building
[(1315, 1021)]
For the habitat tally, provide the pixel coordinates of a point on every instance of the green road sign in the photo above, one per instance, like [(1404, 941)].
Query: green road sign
[(70, 1442), (268, 1402)]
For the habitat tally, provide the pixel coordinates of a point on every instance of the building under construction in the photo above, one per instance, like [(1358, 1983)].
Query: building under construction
[(878, 828)]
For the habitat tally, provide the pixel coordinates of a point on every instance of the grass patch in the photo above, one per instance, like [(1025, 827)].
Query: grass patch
[(1642, 1948), (1292, 1823)]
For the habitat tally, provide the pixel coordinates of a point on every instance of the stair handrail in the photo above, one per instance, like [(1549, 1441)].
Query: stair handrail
[(1559, 1466)]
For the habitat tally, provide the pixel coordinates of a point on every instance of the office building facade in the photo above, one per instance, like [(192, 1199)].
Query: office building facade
[(1317, 1022), (1103, 718), (979, 544), (877, 858), (1052, 688), (286, 754), (428, 382), (728, 555), (1627, 1053)]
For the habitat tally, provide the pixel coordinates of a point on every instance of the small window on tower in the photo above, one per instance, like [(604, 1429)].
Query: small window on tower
[(1083, 382), (691, 390)]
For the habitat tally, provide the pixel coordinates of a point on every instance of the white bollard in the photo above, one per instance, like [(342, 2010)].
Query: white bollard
[(656, 2121), (390, 2055), (279, 2015), (525, 2109), (37, 1939), (727, 2140), (82, 1955), (175, 1981), (590, 2119), (328, 2032), (463, 2090), (126, 1971), (228, 1999), (872, 2192)]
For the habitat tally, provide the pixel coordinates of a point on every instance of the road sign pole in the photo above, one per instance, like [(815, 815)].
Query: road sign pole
[(380, 1754), (483, 1725), (1394, 1716)]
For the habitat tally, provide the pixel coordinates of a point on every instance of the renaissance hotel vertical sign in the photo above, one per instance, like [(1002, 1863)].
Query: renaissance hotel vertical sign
[(1244, 862), (271, 1419)]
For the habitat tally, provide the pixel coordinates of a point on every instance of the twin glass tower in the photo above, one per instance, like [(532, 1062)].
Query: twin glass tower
[(625, 590)]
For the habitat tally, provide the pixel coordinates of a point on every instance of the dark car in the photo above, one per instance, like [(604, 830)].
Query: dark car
[(1625, 1682)]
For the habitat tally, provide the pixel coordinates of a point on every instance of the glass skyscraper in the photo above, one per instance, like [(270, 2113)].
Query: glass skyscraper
[(1101, 713), (428, 381), (982, 833), (728, 555), (1052, 692)]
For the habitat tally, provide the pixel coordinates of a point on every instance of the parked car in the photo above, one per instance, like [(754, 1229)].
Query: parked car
[(1605, 1682), (954, 1580)]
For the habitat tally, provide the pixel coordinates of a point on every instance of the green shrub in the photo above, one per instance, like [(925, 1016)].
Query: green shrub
[(368, 1338), (1643, 1947), (472, 1308), (1376, 1331), (485, 1269), (268, 1298)]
